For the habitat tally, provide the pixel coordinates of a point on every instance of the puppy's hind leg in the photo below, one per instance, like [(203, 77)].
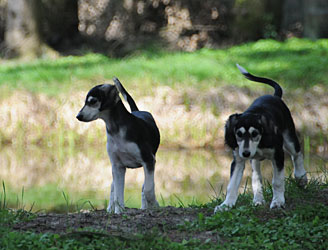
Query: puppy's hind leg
[(257, 183), (292, 146), (148, 198), (143, 198)]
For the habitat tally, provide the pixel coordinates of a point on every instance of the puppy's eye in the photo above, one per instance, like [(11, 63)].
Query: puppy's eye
[(239, 134), (255, 134), (92, 101)]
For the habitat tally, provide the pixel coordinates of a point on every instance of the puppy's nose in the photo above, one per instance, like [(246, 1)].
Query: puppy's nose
[(79, 117), (246, 153)]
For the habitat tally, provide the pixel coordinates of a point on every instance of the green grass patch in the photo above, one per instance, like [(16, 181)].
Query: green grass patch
[(50, 198), (87, 240), (295, 63), (302, 225)]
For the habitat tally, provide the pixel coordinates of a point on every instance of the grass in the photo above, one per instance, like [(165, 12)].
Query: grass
[(52, 199), (302, 225), (48, 198), (15, 240), (296, 63)]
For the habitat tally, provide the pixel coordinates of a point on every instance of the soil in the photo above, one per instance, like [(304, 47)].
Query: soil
[(165, 221)]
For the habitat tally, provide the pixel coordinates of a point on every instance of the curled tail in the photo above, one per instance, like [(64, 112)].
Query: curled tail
[(127, 97), (276, 86)]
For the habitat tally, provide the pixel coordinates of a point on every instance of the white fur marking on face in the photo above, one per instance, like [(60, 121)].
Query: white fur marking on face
[(90, 98), (253, 147), (242, 129), (241, 147), (251, 129), (252, 142)]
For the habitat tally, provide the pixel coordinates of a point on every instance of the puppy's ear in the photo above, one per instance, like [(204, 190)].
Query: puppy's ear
[(229, 133), (110, 97)]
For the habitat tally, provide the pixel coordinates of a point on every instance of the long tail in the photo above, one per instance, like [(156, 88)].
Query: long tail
[(276, 86), (127, 97)]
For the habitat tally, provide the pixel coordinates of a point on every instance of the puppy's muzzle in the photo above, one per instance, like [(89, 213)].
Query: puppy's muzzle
[(246, 154), (80, 117)]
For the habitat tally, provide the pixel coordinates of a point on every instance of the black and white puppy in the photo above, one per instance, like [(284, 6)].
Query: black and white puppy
[(132, 140), (263, 131)]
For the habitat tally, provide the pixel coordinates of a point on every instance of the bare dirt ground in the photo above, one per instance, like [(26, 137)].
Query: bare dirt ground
[(165, 221)]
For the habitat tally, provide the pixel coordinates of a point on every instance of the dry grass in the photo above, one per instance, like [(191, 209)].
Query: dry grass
[(186, 118)]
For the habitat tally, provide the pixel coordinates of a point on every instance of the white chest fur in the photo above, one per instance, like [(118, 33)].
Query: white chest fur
[(123, 152), (266, 153)]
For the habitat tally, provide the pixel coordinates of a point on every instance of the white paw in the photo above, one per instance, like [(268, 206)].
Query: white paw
[(222, 207), (275, 204), (146, 205), (258, 201), (115, 208), (154, 204), (119, 209), (302, 180), (109, 209)]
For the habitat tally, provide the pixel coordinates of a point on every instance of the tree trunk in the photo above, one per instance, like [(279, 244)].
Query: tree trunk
[(22, 37), (315, 18), (293, 18), (59, 23), (35, 27)]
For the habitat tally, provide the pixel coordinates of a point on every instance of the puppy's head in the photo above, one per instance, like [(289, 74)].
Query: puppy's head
[(100, 98), (245, 132)]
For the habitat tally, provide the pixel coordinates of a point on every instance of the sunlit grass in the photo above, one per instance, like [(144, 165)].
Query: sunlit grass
[(49, 198), (295, 63)]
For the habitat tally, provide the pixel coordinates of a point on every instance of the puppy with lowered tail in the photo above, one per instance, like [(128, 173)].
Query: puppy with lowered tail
[(263, 131), (132, 140)]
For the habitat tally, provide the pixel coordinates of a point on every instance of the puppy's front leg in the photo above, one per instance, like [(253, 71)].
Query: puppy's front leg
[(118, 179), (148, 199), (257, 183), (278, 181), (237, 170), (111, 207)]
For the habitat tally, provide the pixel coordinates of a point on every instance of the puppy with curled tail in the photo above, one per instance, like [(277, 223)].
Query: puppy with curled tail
[(263, 131)]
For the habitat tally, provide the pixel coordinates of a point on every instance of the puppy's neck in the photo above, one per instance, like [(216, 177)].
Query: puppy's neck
[(114, 117)]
